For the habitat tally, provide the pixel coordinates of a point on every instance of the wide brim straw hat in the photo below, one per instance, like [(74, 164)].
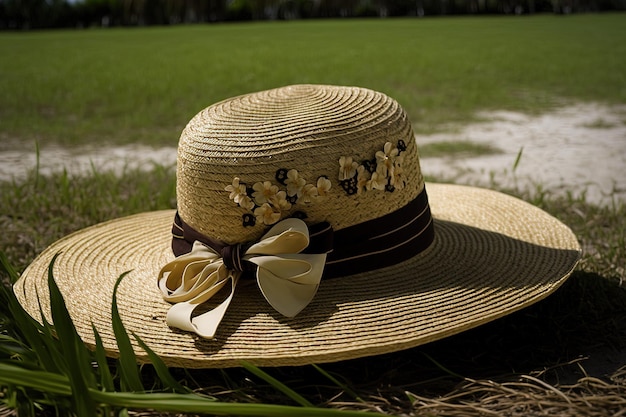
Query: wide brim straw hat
[(401, 262)]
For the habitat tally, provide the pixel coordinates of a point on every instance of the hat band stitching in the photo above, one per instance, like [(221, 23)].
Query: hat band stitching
[(426, 208), (357, 248), (378, 252)]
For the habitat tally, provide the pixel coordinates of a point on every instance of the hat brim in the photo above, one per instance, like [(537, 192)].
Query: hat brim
[(493, 254)]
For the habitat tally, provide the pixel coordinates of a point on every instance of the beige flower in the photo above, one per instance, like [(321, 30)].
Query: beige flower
[(385, 160), (397, 180), (309, 193), (377, 182), (294, 183), (235, 189), (279, 201), (263, 192), (323, 186), (265, 214), (363, 177), (347, 168), (246, 202), (238, 194)]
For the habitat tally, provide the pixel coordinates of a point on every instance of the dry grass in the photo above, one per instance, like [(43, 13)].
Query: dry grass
[(529, 396), (526, 395)]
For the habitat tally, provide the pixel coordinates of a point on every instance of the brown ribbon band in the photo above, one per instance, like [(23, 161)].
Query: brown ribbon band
[(374, 244)]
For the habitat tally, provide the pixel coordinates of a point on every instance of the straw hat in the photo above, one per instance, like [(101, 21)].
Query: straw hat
[(304, 234)]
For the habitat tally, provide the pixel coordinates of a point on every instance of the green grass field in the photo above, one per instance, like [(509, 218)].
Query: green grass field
[(130, 85), (561, 355)]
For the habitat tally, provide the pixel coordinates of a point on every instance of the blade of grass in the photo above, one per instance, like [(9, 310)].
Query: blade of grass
[(8, 268), (106, 379), (334, 380), (37, 164), (192, 403), (443, 368), (276, 384), (27, 327), (16, 348), (179, 403), (53, 347), (518, 159), (130, 378), (79, 370), (161, 369), (32, 336), (44, 381)]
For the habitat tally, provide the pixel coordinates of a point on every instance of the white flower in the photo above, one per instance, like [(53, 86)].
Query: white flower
[(347, 168), (397, 179), (377, 182), (265, 214), (246, 202), (236, 190), (263, 192), (363, 176), (279, 201), (238, 194), (323, 186), (309, 193), (294, 183), (385, 160)]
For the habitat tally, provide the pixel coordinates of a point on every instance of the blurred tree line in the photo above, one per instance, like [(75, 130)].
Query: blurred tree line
[(33, 14)]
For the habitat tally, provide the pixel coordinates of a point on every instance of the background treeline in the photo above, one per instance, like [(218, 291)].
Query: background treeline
[(33, 14)]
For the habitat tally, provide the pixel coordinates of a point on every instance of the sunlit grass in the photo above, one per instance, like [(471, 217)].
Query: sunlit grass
[(143, 85), (41, 209)]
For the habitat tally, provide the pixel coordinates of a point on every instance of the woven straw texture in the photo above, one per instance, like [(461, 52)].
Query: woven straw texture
[(302, 127), (493, 254)]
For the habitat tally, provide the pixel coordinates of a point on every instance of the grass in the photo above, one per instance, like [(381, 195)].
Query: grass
[(41, 209), (457, 149), (142, 85), (564, 354)]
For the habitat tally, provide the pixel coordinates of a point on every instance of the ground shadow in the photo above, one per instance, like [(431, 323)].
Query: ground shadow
[(580, 329)]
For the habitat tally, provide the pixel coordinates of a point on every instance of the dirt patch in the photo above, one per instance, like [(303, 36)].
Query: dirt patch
[(576, 149), (16, 163)]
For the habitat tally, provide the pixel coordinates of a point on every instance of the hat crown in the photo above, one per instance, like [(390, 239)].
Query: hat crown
[(342, 155)]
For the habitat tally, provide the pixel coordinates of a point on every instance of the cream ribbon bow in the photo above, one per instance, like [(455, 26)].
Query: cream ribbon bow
[(287, 278)]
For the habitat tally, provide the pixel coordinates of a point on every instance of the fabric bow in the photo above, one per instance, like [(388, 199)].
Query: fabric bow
[(287, 279)]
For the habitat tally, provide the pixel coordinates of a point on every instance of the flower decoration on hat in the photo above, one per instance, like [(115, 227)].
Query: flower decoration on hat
[(264, 192), (376, 182), (267, 203), (385, 160), (295, 183), (239, 195), (383, 173), (347, 168), (323, 186)]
